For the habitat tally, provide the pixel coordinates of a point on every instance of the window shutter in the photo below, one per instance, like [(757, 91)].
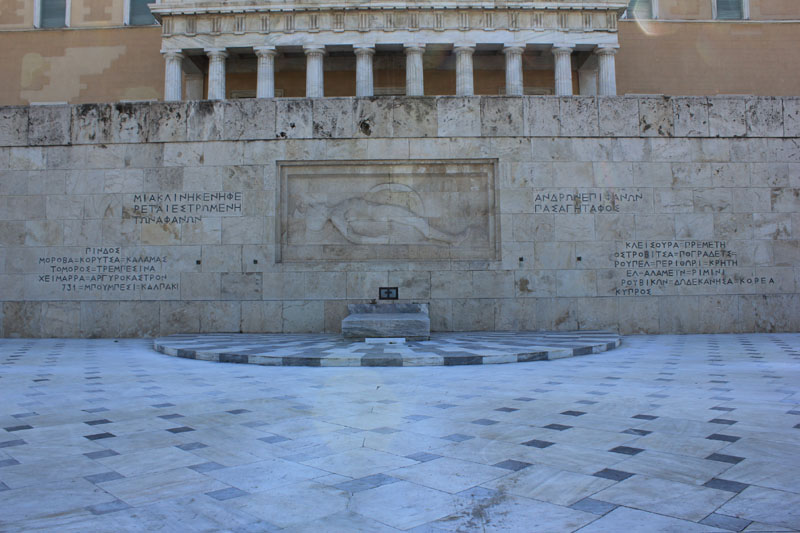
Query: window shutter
[(729, 10), (53, 14), (140, 13), (640, 9)]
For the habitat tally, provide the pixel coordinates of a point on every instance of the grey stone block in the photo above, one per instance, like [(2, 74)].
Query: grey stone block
[(541, 115), (414, 117), (249, 118), (206, 120), (332, 118), (49, 125), (91, 124), (791, 117), (618, 116), (656, 117), (294, 118), (129, 123), (691, 116), (410, 321), (372, 117), (13, 126), (764, 117), (168, 122), (726, 117), (459, 116), (502, 116), (579, 116)]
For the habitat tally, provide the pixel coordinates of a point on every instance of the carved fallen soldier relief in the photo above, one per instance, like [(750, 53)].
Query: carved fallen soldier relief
[(387, 210)]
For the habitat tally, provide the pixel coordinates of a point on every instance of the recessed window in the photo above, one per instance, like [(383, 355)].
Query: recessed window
[(640, 9), (139, 14), (730, 9), (52, 13)]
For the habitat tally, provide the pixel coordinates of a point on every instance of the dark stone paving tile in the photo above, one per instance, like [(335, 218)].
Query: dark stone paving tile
[(366, 483), (524, 399), (422, 457), (273, 439), (634, 431), (100, 454), (485, 422), (182, 429), (725, 484), (18, 428), (238, 411), (722, 421), (538, 443), (160, 405), (573, 413), (725, 438), (626, 450), (506, 409), (8, 462), (644, 417), (206, 467), (597, 507), (722, 458), (192, 446), (793, 412), (385, 431), (98, 436), (227, 494), (97, 422), (445, 405), (170, 417), (725, 522), (33, 413), (615, 475), (557, 427), (103, 477), (458, 437), (586, 402), (417, 418), (512, 464), (108, 507), (3, 487)]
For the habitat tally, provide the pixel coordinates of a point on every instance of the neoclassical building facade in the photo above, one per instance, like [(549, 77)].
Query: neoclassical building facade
[(444, 40)]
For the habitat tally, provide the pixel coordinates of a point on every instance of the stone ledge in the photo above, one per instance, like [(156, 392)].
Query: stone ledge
[(401, 117), (444, 349)]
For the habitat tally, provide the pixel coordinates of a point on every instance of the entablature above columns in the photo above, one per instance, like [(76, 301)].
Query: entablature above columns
[(237, 18)]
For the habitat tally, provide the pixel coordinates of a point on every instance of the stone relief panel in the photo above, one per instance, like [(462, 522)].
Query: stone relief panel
[(387, 210)]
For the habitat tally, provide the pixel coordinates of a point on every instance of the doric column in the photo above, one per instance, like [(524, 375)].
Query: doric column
[(315, 86), (415, 85), (173, 88), (563, 54), (216, 73), (513, 70), (607, 71), (464, 78), (364, 84), (265, 87)]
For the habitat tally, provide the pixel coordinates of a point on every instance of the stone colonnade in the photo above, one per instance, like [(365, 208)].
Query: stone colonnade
[(606, 79)]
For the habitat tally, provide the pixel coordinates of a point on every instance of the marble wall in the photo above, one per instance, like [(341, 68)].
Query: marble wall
[(643, 214)]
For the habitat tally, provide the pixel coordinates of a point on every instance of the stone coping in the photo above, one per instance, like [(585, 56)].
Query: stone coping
[(443, 349)]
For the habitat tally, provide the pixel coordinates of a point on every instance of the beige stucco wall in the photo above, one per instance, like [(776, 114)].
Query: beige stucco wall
[(77, 66), (706, 58)]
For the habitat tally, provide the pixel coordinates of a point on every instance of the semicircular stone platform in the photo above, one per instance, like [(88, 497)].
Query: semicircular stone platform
[(448, 349)]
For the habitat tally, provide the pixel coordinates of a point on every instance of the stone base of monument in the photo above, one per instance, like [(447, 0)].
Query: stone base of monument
[(447, 349), (388, 320)]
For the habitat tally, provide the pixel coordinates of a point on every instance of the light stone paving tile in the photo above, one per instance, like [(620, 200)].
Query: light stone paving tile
[(765, 505), (344, 521), (695, 447), (778, 474), (550, 484), (149, 461), (62, 498), (503, 513), (403, 505), (49, 471), (294, 504), (358, 463), (158, 486), (624, 519), (448, 475), (264, 475), (664, 497), (674, 467)]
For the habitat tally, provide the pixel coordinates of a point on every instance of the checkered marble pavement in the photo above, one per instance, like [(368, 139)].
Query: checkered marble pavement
[(448, 349), (665, 433)]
